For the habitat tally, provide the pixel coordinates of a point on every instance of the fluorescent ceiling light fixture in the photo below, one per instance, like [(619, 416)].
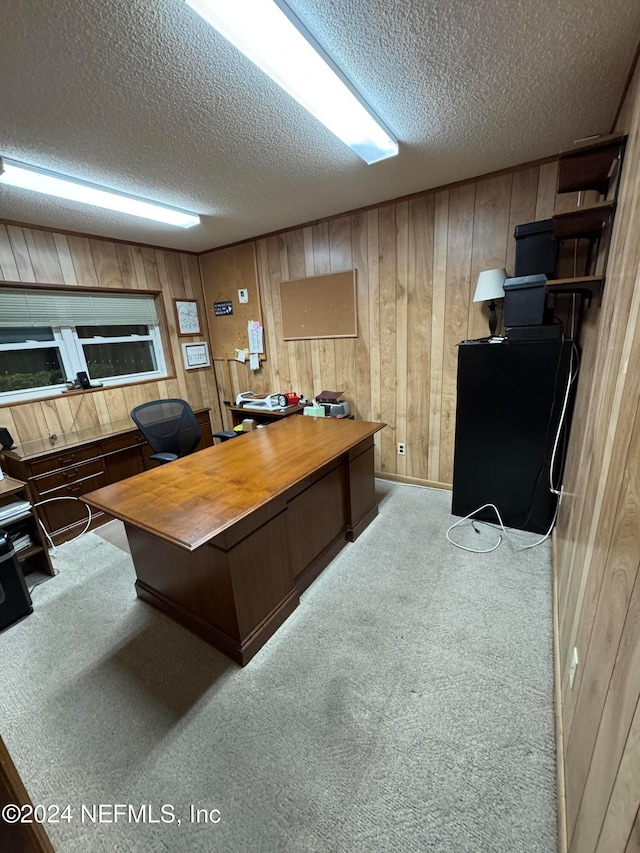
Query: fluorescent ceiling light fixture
[(269, 34), (26, 177)]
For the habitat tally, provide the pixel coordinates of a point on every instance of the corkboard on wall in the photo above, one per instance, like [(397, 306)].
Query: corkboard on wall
[(224, 273), (322, 306)]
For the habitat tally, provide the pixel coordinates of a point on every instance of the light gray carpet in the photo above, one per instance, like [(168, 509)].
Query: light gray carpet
[(405, 706)]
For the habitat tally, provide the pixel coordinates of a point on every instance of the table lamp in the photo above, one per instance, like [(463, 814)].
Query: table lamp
[(490, 287)]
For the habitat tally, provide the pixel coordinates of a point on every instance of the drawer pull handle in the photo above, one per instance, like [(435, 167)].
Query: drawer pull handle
[(71, 473), (76, 488), (66, 460)]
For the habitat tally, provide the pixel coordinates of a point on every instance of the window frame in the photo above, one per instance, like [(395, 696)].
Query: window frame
[(69, 345)]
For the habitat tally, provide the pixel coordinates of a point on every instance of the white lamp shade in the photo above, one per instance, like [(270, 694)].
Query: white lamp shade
[(490, 285)]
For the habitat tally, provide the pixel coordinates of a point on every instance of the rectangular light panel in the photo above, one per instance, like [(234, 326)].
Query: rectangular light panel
[(26, 177), (268, 34)]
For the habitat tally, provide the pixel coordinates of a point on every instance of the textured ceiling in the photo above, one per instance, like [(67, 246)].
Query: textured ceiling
[(142, 95)]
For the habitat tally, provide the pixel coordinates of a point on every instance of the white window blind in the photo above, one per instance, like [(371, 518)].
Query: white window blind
[(63, 308)]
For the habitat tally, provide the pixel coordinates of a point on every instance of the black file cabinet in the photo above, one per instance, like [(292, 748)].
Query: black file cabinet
[(510, 399)]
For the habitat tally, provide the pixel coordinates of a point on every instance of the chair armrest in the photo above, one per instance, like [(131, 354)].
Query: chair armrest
[(164, 457), (226, 434)]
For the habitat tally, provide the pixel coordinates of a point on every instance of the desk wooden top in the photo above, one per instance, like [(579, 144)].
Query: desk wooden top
[(193, 499)]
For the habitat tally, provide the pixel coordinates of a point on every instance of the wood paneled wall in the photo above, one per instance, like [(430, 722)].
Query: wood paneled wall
[(32, 255), (598, 547), (417, 263)]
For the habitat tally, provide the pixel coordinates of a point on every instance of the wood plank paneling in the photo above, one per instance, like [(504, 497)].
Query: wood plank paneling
[(105, 261), (457, 306), (8, 266), (20, 253), (633, 844), (440, 239), (387, 310), (82, 258), (598, 546), (32, 255), (44, 256), (419, 311)]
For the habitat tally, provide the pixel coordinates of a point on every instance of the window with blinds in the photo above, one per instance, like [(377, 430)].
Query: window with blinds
[(47, 337)]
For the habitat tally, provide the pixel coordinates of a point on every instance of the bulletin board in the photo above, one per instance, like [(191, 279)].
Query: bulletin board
[(322, 306), (224, 273)]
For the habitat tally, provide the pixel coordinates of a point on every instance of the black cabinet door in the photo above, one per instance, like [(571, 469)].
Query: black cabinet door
[(510, 398)]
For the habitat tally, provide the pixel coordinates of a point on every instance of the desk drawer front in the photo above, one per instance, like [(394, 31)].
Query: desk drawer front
[(68, 475), (122, 442), (58, 514), (64, 459)]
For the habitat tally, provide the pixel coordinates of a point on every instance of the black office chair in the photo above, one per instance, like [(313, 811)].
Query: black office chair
[(169, 426)]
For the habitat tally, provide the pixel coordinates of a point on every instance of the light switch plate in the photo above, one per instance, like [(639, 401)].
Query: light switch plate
[(243, 295)]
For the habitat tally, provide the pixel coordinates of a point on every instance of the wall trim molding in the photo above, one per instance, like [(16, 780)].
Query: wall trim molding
[(413, 481), (33, 227)]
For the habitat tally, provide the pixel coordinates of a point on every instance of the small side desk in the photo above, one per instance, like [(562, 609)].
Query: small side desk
[(262, 416), (225, 540)]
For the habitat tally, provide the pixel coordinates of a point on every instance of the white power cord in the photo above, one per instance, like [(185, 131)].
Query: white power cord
[(504, 534), (572, 378), (52, 547), (66, 498)]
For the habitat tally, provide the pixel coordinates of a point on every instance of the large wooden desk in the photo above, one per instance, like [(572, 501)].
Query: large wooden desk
[(226, 539)]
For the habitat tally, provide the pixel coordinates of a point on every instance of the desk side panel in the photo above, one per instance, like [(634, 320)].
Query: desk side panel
[(317, 518), (362, 491), (261, 573), (197, 582)]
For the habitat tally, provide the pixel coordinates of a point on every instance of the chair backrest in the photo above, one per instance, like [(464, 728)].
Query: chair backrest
[(169, 426)]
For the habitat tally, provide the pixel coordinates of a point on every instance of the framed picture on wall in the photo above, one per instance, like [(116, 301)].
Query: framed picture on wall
[(195, 355), (187, 316)]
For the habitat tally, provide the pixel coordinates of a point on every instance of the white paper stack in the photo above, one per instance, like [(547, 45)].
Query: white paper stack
[(13, 510), (21, 541)]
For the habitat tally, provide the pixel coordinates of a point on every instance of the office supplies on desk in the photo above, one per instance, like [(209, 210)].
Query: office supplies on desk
[(249, 400), (333, 407), (315, 410)]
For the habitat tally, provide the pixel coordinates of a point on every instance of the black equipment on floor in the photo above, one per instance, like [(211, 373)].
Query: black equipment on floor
[(15, 601), (510, 399)]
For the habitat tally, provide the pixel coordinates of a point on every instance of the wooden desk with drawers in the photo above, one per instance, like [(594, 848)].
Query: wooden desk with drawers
[(225, 540)]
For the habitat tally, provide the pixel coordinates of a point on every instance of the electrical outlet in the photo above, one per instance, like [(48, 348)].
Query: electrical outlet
[(402, 448), (573, 667), (243, 295)]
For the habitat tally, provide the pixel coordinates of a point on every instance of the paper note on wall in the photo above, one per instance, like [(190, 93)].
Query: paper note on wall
[(254, 361), (241, 355), (255, 336)]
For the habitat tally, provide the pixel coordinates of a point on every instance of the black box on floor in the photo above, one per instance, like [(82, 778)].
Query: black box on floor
[(536, 250), (15, 601)]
